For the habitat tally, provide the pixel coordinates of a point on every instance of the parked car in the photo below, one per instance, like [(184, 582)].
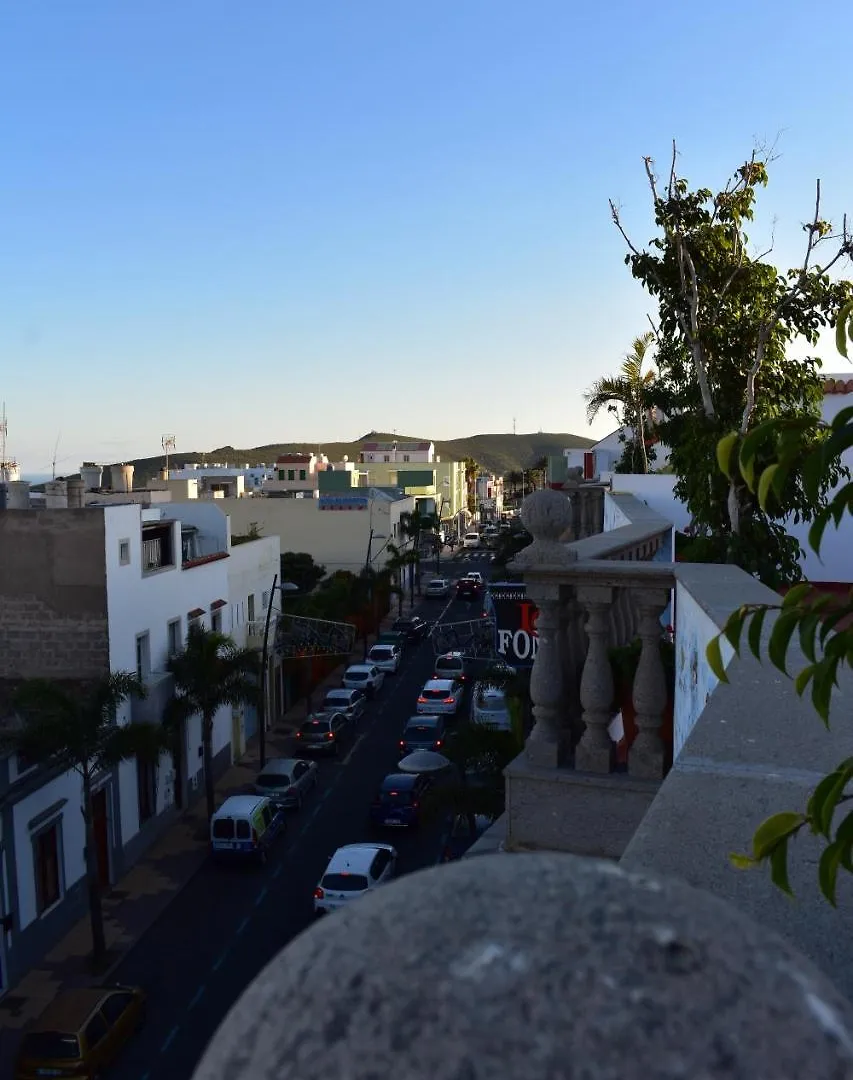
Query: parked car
[(489, 707), (349, 702), (392, 637), (322, 733), (353, 871), (475, 575), (414, 627), (366, 677), (398, 802), (244, 827), (424, 732), (471, 540), (286, 781), (468, 589), (440, 696), (437, 587), (450, 665), (386, 658)]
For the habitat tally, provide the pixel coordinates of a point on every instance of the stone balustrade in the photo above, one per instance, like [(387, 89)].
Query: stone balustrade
[(535, 966)]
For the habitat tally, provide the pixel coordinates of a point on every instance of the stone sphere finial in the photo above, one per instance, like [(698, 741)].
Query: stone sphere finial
[(547, 515)]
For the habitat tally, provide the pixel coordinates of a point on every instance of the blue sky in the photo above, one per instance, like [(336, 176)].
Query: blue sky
[(253, 222)]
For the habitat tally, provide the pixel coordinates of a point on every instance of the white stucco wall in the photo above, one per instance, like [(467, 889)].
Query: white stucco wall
[(694, 680), (68, 787), (139, 604), (614, 518), (251, 569)]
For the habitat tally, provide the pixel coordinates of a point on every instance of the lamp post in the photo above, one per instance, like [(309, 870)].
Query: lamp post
[(285, 586), (368, 571), (445, 483)]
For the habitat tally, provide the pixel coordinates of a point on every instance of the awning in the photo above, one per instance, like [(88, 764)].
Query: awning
[(218, 604), (196, 613)]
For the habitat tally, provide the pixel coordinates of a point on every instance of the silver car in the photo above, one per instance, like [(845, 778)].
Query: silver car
[(385, 657), (286, 781), (437, 587), (440, 696), (349, 702), (353, 871), (366, 677)]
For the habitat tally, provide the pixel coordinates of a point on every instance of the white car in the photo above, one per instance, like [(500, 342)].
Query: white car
[(450, 665), (437, 587), (353, 871), (489, 707), (366, 677), (475, 575), (385, 657), (471, 540), (286, 781), (440, 697)]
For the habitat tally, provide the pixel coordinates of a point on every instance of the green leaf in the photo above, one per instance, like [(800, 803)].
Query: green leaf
[(844, 839), (754, 634), (774, 830), (764, 485), (814, 807), (818, 527), (779, 868), (725, 449), (808, 627), (715, 659), (777, 647), (803, 679), (796, 595), (822, 684), (827, 871), (733, 630), (844, 318), (742, 862), (827, 802)]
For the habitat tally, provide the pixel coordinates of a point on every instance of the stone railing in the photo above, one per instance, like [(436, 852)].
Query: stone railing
[(535, 966)]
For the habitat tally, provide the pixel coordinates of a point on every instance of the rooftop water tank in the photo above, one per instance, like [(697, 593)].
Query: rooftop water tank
[(75, 490), (91, 475), (56, 495), (18, 495), (122, 477)]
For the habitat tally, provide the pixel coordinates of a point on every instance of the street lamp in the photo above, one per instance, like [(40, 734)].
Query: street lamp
[(367, 572), (284, 587)]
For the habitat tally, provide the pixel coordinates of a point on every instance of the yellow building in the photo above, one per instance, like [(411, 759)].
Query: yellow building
[(435, 484)]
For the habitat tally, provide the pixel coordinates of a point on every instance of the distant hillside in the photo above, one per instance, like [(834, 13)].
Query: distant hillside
[(498, 454)]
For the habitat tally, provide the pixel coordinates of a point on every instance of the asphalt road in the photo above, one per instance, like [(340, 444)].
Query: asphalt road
[(228, 922)]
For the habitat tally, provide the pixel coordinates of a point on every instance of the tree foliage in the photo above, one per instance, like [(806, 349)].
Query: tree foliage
[(626, 396), (822, 625), (726, 317), (299, 568)]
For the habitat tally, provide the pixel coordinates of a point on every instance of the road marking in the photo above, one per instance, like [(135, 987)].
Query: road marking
[(353, 748), (194, 1000), (220, 960), (170, 1038), (243, 924), (259, 899)]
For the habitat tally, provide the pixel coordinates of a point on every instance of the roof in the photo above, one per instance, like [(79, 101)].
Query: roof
[(402, 780), (424, 721), (837, 384), (279, 767), (438, 684), (354, 858), (293, 459), (70, 1010), (340, 692), (383, 446), (359, 667), (239, 804)]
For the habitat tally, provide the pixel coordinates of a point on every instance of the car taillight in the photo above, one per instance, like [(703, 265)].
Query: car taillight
[(448, 701), (415, 804), (298, 734), (318, 893), (330, 734), (402, 742), (422, 700), (437, 743)]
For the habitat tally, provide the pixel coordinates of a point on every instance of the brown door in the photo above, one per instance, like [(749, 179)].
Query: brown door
[(101, 825)]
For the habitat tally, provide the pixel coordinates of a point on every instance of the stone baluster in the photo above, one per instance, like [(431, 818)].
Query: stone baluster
[(646, 756), (547, 515), (572, 652), (595, 751)]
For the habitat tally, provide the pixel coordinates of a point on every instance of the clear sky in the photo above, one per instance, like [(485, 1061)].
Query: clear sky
[(262, 220)]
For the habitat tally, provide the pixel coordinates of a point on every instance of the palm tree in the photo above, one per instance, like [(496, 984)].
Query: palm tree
[(73, 726), (625, 393), (209, 672), (397, 562), (415, 524)]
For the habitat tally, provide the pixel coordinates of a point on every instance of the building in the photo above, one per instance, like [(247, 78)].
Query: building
[(300, 474), (84, 592), (231, 480), (396, 453), (489, 496), (437, 486)]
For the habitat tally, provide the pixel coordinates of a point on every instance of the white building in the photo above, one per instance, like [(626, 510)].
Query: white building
[(396, 452), (223, 480), (299, 474), (86, 591)]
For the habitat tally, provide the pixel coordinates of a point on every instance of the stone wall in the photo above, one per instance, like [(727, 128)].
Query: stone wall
[(53, 597)]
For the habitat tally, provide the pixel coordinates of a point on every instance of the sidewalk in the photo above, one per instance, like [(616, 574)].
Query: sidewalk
[(146, 890)]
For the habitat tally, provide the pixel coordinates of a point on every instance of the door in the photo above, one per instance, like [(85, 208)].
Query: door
[(101, 826), (250, 721)]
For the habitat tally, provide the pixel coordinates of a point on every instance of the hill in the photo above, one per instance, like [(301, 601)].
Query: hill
[(500, 454)]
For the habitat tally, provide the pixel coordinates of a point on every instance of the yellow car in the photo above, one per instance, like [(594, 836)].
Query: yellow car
[(80, 1032)]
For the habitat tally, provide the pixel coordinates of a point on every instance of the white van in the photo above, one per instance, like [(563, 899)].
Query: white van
[(244, 827), (471, 540)]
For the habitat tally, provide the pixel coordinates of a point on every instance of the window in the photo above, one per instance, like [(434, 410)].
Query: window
[(146, 783), (301, 474), (223, 828), (96, 1029), (250, 608), (216, 622), (291, 474), (143, 655), (242, 830), (379, 863), (114, 1007), (173, 637), (405, 457), (123, 552), (47, 863), (265, 600), (386, 457), (281, 474)]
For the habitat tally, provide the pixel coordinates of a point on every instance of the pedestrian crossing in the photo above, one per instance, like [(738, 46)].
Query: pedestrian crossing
[(474, 556)]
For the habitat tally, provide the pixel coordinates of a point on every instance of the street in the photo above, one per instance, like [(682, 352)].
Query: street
[(228, 922)]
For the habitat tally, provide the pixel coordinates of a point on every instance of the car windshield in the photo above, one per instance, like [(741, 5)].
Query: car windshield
[(315, 727), (420, 731), (434, 695), (273, 780), (344, 882), (357, 676), (338, 697), (492, 705), (448, 665), (50, 1046), (381, 653)]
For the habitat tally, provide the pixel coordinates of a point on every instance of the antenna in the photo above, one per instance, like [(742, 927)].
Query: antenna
[(55, 452), (513, 425), (168, 442), (4, 430)]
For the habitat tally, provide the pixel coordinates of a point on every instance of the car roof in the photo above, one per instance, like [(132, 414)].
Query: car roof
[(451, 656), (421, 719), (354, 858), (403, 781), (386, 645), (279, 767), (240, 804), (438, 684), (70, 1009), (341, 691), (359, 667)]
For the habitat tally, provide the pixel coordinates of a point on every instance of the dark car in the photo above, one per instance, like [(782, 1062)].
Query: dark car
[(414, 628), (468, 589), (398, 803), (423, 733), (322, 733)]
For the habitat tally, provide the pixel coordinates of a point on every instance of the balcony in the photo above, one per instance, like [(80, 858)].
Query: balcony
[(198, 549)]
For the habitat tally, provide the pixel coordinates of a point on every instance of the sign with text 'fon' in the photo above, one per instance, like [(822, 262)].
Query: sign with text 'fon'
[(343, 502), (516, 638)]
